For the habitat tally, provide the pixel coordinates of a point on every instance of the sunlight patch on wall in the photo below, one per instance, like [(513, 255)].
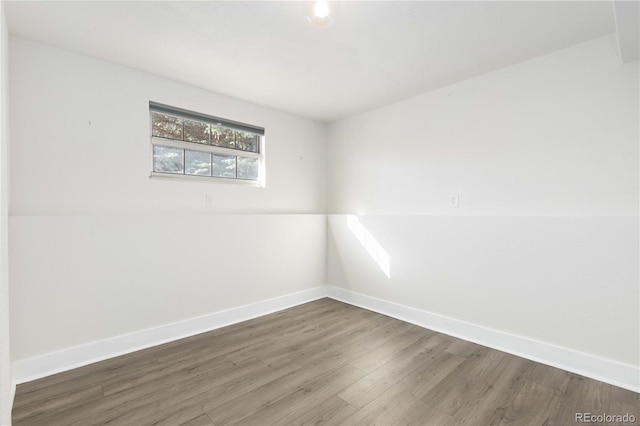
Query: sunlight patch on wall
[(375, 250)]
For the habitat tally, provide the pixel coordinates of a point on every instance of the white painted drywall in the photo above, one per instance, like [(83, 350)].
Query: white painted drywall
[(96, 276), (544, 244), (6, 383), (81, 131), (556, 135), (99, 250), (568, 281)]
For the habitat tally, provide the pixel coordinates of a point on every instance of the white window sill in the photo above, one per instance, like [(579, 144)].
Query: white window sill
[(205, 179)]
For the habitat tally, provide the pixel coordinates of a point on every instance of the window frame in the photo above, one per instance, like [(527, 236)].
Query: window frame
[(211, 149)]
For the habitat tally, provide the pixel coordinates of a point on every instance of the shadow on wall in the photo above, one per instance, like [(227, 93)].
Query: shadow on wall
[(375, 250)]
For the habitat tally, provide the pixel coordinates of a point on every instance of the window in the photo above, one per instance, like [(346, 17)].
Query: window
[(187, 143)]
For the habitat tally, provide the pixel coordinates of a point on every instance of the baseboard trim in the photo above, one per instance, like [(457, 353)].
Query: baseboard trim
[(12, 395), (609, 371), (55, 362), (605, 370)]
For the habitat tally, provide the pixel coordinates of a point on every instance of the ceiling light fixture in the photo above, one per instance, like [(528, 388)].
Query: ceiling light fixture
[(321, 13)]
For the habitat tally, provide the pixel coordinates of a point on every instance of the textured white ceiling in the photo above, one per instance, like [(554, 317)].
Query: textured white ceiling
[(267, 53)]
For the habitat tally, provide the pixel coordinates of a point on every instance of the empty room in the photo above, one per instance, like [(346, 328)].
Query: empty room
[(319, 213)]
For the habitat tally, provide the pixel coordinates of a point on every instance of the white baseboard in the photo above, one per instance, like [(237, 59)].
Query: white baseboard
[(12, 394), (78, 356), (618, 374), (605, 370)]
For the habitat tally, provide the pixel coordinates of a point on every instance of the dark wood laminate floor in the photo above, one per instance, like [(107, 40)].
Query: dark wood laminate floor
[(323, 362)]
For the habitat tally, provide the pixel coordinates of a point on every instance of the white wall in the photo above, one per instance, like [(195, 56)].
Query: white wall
[(544, 156), (61, 164), (564, 280), (79, 279), (99, 250), (6, 385), (556, 135)]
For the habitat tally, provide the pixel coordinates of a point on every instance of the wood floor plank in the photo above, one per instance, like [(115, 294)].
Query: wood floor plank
[(81, 377), (387, 408), (268, 394), (467, 387), (145, 398), (499, 393), (226, 343), (321, 363), (344, 346), (198, 396), (301, 334), (332, 411), (462, 348), (528, 405), (177, 417), (388, 328), (379, 380), (352, 322), (309, 394), (434, 370), (424, 414), (201, 420), (41, 409), (549, 376), (623, 402), (197, 366), (383, 353), (582, 396)]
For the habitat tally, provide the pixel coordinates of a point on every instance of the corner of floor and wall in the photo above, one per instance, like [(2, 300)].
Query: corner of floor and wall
[(502, 210)]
